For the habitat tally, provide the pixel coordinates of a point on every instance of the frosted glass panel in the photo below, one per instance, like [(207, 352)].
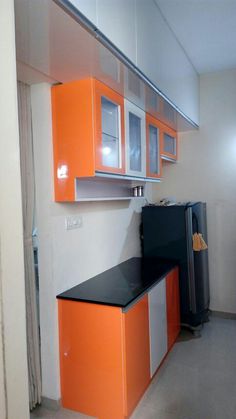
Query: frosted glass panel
[(153, 149), (135, 142), (169, 144), (110, 133), (110, 151)]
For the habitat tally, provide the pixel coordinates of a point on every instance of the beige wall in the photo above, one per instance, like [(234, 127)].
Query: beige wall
[(2, 373), (11, 235), (110, 235), (207, 171)]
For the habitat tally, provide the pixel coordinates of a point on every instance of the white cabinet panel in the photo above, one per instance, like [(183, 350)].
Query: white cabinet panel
[(163, 60), (87, 7), (135, 140), (116, 19), (157, 325)]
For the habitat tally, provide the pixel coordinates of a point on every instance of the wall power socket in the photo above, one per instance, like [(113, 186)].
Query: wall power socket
[(73, 221)]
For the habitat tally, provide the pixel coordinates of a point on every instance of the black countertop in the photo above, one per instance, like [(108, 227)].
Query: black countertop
[(121, 285)]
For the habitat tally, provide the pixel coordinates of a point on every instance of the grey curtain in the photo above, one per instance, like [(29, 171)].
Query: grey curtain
[(28, 198)]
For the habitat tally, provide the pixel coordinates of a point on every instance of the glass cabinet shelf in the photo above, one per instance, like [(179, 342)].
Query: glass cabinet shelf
[(111, 133)]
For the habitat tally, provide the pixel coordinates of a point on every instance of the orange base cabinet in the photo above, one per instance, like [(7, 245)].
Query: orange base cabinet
[(137, 354), (172, 307), (78, 149), (105, 352), (104, 357)]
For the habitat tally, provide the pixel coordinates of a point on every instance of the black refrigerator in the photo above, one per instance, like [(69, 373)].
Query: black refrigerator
[(166, 233)]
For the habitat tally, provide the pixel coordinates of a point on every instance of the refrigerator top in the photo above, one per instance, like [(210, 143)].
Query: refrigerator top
[(177, 204)]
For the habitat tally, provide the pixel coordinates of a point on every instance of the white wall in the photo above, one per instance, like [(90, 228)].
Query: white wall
[(207, 171), (110, 235), (2, 383), (11, 234)]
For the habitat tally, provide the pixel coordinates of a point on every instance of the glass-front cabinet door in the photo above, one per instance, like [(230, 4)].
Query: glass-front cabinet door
[(109, 118), (135, 140), (111, 144), (169, 144), (153, 147)]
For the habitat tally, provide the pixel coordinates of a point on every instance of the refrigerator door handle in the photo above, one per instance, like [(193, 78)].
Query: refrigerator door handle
[(191, 276)]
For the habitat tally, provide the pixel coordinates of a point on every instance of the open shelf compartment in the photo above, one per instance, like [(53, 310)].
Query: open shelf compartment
[(105, 189)]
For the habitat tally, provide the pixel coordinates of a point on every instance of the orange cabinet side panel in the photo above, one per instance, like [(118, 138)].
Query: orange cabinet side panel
[(73, 136), (91, 359), (167, 130), (150, 120), (137, 354), (173, 306), (101, 90)]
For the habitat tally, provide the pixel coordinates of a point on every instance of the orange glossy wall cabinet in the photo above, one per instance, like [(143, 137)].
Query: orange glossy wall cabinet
[(88, 133), (104, 357), (172, 307), (169, 143), (153, 146)]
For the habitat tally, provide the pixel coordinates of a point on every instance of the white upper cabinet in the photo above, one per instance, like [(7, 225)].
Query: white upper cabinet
[(87, 7), (163, 60), (135, 140), (116, 19), (139, 30)]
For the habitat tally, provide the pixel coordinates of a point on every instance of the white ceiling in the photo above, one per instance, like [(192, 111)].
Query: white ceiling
[(206, 29)]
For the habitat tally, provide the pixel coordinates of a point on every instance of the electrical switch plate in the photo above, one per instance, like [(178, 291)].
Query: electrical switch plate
[(74, 221)]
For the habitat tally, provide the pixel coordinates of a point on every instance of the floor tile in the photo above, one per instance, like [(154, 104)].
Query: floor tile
[(42, 413)]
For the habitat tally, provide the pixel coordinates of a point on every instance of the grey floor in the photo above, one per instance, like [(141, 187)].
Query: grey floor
[(197, 380)]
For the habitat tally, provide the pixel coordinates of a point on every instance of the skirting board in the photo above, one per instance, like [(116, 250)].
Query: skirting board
[(51, 404), (223, 314)]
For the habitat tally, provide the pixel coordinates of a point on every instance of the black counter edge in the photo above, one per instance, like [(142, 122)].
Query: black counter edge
[(131, 302)]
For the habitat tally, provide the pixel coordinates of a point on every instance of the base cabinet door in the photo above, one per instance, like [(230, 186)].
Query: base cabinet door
[(91, 359), (136, 352), (172, 307), (104, 357), (157, 325)]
